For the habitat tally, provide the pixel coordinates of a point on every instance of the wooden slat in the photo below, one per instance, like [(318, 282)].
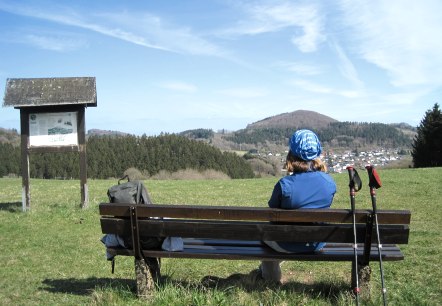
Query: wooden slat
[(397, 234), (202, 241), (342, 248), (257, 243), (253, 213), (260, 253)]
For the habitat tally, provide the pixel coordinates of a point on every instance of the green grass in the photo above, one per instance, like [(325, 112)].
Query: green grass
[(52, 255)]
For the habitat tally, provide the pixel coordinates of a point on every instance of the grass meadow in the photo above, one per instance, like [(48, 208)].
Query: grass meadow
[(52, 255)]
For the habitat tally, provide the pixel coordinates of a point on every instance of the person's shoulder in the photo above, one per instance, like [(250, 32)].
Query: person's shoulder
[(324, 174), (327, 177), (287, 180)]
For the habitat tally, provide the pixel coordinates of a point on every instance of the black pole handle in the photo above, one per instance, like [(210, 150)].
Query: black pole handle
[(355, 181)]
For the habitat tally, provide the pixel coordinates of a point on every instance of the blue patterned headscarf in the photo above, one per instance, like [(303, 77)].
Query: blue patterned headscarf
[(305, 145)]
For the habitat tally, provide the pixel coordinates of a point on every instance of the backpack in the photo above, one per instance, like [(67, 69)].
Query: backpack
[(130, 192), (136, 193)]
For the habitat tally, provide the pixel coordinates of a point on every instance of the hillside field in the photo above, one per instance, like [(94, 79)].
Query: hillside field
[(52, 255)]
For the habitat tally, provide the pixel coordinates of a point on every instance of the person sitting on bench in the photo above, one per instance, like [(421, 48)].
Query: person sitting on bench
[(307, 186)]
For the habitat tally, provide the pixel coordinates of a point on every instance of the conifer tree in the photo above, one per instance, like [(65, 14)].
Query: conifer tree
[(427, 144)]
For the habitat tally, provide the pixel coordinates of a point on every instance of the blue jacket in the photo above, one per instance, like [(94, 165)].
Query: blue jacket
[(314, 189)]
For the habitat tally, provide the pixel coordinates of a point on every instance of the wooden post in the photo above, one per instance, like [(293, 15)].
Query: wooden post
[(83, 160), (147, 274), (364, 276), (26, 193)]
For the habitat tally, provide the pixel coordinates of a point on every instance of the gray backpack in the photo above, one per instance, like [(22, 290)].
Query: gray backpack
[(130, 192), (136, 193)]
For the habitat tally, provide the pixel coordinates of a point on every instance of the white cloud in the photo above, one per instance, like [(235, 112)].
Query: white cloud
[(303, 19), (139, 28), (320, 89), (301, 68), (312, 87), (404, 98), (350, 94), (63, 43), (345, 65), (312, 25), (397, 36), (162, 34), (53, 40)]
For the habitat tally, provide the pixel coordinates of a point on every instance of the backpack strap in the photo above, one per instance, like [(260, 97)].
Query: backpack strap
[(123, 178), (139, 190)]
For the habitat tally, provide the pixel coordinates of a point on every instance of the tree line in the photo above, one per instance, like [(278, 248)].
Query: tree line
[(110, 156), (350, 134), (427, 144)]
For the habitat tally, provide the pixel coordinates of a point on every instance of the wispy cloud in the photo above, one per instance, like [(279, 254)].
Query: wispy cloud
[(139, 28), (53, 40), (162, 34), (397, 36), (305, 20), (345, 65), (301, 68), (179, 86), (54, 43), (320, 89), (311, 86)]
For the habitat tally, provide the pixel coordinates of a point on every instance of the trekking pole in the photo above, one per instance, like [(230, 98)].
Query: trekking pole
[(355, 185), (374, 183)]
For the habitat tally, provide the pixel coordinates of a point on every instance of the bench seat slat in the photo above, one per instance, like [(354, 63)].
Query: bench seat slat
[(253, 213), (397, 234), (192, 242), (245, 249), (330, 252)]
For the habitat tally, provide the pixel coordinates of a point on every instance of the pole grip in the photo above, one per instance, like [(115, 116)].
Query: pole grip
[(374, 181)]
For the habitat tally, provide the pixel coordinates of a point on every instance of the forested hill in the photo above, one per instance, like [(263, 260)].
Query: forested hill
[(9, 136), (111, 156), (335, 135), (294, 120), (275, 131), (345, 135)]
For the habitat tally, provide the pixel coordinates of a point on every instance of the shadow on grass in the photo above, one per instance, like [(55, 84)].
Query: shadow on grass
[(252, 282), (11, 206), (247, 282), (85, 286)]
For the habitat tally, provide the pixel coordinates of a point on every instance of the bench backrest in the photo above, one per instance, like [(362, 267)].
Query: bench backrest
[(254, 223)]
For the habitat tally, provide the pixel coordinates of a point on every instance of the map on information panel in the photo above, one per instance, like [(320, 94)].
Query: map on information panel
[(53, 129)]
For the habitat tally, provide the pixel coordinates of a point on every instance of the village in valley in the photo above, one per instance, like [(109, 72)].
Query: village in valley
[(378, 158), (337, 162)]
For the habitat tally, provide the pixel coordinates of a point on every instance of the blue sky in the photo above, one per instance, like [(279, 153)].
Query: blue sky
[(170, 66)]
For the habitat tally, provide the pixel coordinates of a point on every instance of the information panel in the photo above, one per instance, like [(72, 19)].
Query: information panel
[(53, 129)]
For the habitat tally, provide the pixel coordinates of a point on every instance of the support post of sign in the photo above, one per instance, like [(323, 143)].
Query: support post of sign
[(26, 192), (83, 160)]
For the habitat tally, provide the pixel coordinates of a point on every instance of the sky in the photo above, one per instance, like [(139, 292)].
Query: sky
[(174, 65)]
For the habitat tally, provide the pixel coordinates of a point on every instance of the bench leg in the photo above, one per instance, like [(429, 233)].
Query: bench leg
[(364, 275), (271, 271), (147, 274)]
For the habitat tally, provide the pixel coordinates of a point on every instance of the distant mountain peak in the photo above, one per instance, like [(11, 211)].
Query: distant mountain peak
[(295, 120)]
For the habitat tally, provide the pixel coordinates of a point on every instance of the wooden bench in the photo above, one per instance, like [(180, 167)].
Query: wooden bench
[(231, 232)]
